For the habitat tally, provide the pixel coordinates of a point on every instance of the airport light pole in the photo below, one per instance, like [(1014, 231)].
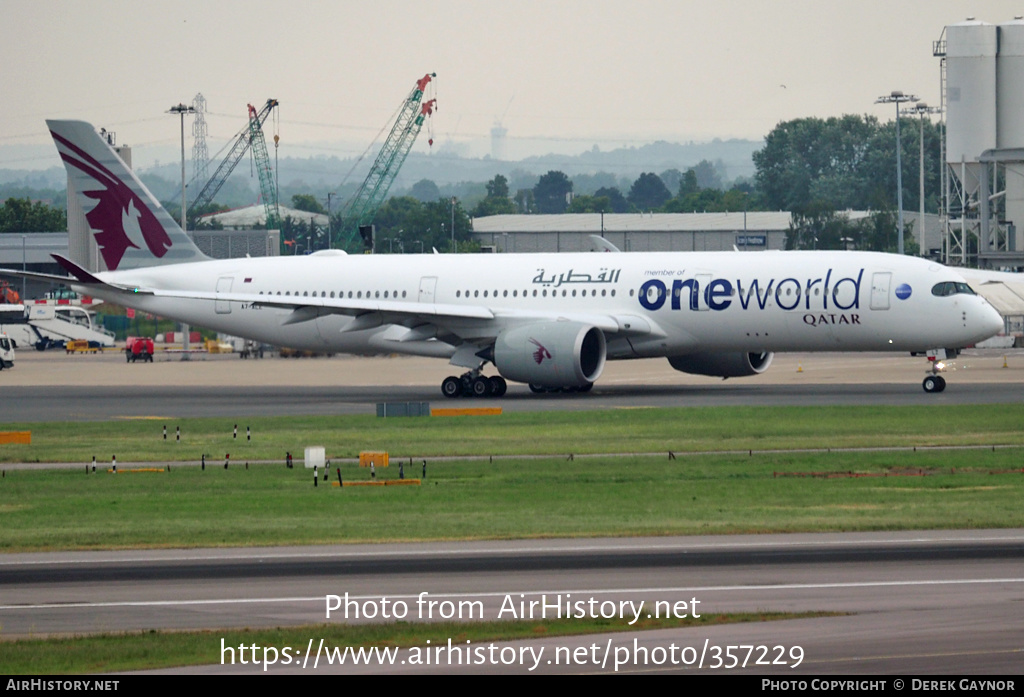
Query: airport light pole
[(181, 110), (453, 226), (896, 97), (920, 108), (330, 239)]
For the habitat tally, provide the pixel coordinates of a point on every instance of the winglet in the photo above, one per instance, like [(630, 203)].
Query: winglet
[(602, 245), (77, 271)]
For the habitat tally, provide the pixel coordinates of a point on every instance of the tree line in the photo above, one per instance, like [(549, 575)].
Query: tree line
[(815, 168), (25, 215)]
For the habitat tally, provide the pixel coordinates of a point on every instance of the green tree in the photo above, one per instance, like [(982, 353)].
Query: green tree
[(707, 175), (616, 200), (879, 233), (308, 203), (846, 162), (551, 192), (196, 221), (813, 159), (671, 178), (590, 204), (497, 187), (497, 201), (414, 226), (688, 184), (425, 190), (21, 215), (524, 202), (821, 227), (648, 192)]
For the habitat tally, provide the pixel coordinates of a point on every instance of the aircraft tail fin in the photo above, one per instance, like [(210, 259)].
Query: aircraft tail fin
[(130, 226)]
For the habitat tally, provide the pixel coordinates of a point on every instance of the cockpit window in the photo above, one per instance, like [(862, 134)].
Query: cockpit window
[(951, 288)]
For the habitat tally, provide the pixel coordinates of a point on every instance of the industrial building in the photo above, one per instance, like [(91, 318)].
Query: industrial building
[(659, 232)]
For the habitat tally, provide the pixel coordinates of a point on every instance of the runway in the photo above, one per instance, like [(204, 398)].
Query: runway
[(918, 603), (55, 387)]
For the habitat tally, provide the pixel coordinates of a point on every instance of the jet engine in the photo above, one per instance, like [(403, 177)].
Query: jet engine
[(551, 354), (723, 365)]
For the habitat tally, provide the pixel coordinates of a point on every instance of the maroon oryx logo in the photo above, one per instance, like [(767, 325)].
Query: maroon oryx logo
[(541, 353), (120, 217)]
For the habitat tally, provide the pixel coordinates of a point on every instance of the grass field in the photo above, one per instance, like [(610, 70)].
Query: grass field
[(637, 492), (514, 498), (533, 433)]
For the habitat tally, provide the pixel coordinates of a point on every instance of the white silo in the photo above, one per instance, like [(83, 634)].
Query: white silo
[(1010, 118), (971, 48)]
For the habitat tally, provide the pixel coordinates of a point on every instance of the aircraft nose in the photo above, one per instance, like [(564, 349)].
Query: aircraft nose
[(992, 321)]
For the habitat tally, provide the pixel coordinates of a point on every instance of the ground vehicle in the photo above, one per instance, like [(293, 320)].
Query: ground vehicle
[(6, 352), (139, 348)]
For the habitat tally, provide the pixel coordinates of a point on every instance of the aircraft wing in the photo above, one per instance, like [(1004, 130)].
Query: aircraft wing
[(472, 320)]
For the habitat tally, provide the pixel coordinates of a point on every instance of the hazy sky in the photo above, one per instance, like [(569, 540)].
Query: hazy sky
[(569, 72)]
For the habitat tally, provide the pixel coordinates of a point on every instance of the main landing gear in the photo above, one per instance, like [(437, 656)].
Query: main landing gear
[(473, 384)]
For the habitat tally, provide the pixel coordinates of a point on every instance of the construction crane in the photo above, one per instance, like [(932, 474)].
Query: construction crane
[(359, 211), (252, 131), (259, 151)]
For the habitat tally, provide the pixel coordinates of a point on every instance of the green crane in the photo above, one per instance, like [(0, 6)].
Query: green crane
[(359, 211), (259, 151), (243, 141)]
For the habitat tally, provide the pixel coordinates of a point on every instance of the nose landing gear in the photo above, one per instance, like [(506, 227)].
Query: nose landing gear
[(935, 383)]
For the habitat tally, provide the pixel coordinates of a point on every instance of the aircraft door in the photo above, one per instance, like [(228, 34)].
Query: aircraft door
[(880, 283), (427, 286), (223, 307)]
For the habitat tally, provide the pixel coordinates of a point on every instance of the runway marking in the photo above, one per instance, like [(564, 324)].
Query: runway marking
[(632, 547), (502, 594)]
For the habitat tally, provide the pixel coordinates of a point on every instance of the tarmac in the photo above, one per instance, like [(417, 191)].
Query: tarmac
[(109, 368)]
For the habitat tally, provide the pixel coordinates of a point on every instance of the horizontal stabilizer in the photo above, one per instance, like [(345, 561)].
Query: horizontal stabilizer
[(82, 275)]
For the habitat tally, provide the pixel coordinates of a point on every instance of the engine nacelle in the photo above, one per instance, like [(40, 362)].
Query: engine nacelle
[(723, 365), (551, 354)]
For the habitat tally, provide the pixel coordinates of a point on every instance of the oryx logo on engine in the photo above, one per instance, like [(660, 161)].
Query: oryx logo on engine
[(541, 353)]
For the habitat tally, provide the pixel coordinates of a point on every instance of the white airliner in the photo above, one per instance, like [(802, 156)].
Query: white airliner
[(548, 320)]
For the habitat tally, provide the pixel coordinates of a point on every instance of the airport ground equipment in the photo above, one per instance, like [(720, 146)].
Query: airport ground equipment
[(139, 348)]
